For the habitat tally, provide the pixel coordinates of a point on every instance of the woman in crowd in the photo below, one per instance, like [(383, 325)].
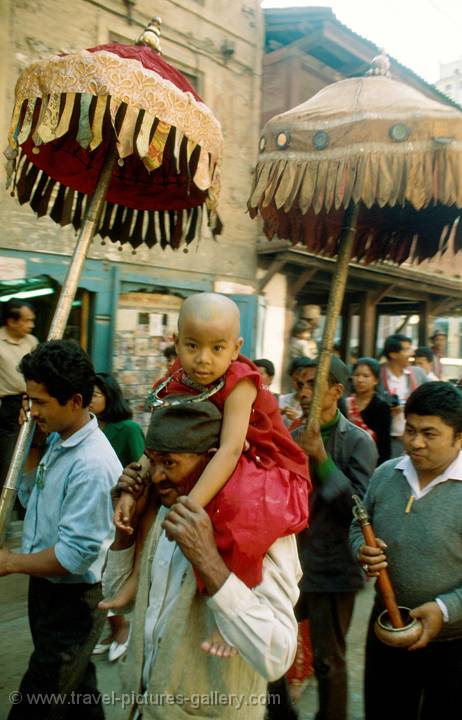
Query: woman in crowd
[(367, 409), (126, 437)]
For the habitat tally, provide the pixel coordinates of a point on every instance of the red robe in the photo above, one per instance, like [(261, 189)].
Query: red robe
[(266, 497)]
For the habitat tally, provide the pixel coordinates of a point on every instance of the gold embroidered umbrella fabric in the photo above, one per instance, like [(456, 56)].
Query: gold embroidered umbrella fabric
[(115, 141), (71, 108), (369, 141)]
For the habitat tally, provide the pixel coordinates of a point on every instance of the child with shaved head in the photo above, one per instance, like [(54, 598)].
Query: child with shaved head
[(255, 488)]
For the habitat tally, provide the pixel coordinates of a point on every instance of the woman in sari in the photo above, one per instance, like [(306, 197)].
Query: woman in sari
[(367, 409)]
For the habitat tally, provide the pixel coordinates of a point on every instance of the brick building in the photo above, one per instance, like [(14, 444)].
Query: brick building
[(247, 66), (128, 301)]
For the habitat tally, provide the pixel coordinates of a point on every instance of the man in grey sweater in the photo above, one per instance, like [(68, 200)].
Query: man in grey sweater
[(415, 506)]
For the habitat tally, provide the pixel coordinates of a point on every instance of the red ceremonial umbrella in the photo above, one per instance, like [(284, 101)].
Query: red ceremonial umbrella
[(368, 168), (115, 141)]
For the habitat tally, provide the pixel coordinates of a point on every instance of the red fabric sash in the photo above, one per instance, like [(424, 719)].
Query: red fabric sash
[(357, 419), (411, 380)]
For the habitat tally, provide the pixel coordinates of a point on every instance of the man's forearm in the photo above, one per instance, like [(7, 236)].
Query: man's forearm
[(40, 564), (260, 622), (213, 572)]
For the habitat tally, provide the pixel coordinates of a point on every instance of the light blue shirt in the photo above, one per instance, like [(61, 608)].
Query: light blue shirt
[(68, 501)]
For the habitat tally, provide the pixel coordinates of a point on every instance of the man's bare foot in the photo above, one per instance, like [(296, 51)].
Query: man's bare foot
[(215, 645)]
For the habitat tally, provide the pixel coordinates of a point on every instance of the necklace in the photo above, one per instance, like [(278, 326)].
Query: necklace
[(154, 401)]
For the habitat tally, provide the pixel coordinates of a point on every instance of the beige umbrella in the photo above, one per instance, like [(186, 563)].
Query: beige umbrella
[(368, 168), (116, 141)]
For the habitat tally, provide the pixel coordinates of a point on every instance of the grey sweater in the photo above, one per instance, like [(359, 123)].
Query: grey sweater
[(424, 550)]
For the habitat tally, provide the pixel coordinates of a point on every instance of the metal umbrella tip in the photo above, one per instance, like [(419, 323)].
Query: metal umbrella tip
[(380, 65), (151, 34)]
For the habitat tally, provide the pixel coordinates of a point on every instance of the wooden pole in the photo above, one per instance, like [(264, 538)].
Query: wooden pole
[(57, 328), (336, 295)]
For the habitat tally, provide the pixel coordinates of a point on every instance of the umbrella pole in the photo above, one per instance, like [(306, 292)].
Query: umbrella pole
[(56, 331), (336, 295)]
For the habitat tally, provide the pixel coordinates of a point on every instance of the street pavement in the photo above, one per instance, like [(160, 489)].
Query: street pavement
[(17, 646)]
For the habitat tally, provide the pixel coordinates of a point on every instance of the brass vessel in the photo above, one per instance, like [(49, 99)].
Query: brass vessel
[(398, 637)]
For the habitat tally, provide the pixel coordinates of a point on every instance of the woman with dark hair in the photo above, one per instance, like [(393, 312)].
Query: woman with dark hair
[(367, 409), (126, 437), (114, 418)]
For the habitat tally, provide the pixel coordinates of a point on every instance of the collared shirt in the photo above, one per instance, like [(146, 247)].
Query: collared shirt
[(400, 386), (68, 501), (260, 622), (452, 472), (12, 351)]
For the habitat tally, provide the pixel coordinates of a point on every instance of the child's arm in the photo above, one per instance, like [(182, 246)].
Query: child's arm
[(131, 491), (236, 415), (125, 593)]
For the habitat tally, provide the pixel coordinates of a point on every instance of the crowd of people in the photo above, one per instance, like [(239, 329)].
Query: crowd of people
[(229, 525)]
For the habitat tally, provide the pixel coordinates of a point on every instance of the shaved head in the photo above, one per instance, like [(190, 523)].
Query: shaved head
[(209, 308)]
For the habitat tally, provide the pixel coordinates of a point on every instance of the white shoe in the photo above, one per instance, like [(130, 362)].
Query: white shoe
[(101, 648), (117, 650)]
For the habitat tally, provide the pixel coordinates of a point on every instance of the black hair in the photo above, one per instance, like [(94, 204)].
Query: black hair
[(442, 399), (170, 352), (393, 343), (63, 367), (11, 310), (372, 364), (425, 352), (300, 362), (267, 364), (117, 407)]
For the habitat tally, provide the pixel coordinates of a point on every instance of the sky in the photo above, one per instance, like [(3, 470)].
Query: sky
[(420, 34)]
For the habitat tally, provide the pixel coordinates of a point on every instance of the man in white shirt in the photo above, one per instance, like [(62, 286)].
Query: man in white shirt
[(15, 341), (164, 663), (399, 379)]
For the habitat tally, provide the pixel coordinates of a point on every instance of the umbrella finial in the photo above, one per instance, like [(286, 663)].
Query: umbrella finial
[(380, 64), (151, 34)]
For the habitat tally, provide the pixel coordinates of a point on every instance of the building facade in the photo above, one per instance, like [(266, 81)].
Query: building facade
[(307, 49), (450, 81), (218, 46)]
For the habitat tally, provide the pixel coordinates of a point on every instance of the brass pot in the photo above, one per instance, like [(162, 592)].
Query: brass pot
[(398, 637)]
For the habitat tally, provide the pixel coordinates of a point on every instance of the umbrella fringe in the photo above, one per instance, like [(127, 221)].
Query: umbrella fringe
[(78, 212), (105, 220), (120, 224), (46, 197), (46, 119), (38, 192), (395, 234), (417, 178)]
